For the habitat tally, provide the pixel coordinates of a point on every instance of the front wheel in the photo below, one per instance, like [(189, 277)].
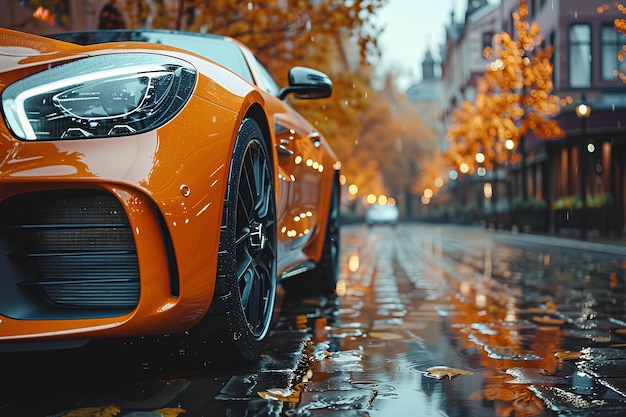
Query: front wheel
[(241, 312)]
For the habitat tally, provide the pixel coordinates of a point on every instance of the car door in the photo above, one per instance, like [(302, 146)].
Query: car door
[(300, 142)]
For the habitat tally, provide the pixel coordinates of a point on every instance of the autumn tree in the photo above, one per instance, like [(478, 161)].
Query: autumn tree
[(514, 99), (485, 127)]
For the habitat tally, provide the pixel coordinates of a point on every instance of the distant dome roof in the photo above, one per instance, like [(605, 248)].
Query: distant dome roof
[(428, 90)]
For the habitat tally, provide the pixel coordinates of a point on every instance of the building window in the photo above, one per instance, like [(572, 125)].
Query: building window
[(532, 6), (487, 39), (612, 42), (580, 55)]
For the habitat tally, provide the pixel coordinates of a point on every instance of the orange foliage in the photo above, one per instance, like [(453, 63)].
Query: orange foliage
[(509, 399), (514, 98)]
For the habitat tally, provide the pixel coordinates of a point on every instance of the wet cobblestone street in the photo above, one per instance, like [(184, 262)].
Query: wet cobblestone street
[(427, 320), (461, 322)]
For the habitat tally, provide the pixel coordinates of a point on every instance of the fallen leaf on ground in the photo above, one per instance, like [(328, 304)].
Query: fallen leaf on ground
[(440, 372), (280, 394), (170, 411), (385, 335), (567, 355), (548, 320), (550, 307), (101, 411)]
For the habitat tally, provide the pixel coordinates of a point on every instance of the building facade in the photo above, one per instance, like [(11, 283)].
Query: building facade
[(463, 198), (590, 156)]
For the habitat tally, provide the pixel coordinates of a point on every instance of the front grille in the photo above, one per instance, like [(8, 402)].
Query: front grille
[(70, 249)]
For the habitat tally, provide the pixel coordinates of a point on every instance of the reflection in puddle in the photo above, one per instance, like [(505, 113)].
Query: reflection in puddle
[(503, 352), (561, 399), (353, 263), (335, 400), (535, 376)]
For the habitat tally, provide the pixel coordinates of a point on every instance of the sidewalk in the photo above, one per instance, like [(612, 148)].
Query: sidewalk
[(607, 245), (615, 246)]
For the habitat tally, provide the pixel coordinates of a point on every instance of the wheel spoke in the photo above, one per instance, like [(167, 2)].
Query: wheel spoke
[(263, 190), (254, 287), (264, 203), (244, 206), (247, 192), (244, 265), (246, 285), (244, 235)]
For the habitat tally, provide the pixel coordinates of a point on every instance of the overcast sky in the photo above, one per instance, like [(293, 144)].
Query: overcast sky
[(411, 28)]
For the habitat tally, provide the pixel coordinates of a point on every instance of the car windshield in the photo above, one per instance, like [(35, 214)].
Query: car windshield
[(214, 48)]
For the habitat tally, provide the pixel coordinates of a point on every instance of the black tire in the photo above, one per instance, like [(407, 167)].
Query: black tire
[(322, 280), (241, 312)]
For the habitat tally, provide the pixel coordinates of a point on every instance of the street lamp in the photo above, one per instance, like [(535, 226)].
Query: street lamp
[(583, 110), (481, 172)]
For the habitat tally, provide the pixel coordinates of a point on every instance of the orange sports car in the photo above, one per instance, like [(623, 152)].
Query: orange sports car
[(153, 183)]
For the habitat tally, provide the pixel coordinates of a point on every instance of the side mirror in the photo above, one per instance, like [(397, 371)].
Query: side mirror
[(307, 83)]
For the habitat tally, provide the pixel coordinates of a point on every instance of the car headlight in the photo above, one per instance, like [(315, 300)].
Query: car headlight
[(101, 96)]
